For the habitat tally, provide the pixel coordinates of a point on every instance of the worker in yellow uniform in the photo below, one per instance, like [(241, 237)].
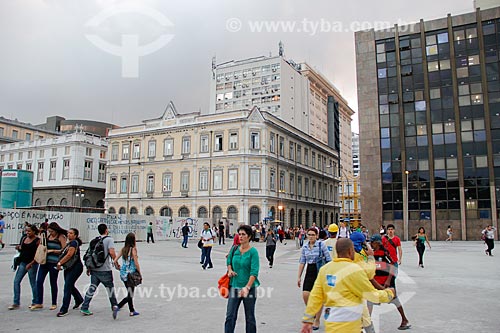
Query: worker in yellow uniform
[(363, 256), (341, 286), (333, 229)]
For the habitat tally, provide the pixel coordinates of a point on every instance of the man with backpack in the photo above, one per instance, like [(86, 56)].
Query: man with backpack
[(207, 238), (98, 258)]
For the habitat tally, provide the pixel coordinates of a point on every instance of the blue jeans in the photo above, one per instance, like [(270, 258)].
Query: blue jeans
[(70, 277), (20, 273), (185, 241), (233, 305), (205, 256), (106, 278), (43, 270)]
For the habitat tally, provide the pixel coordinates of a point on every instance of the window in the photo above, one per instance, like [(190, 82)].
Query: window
[(217, 179), (184, 181), (28, 136), (232, 183), (186, 145), (112, 185), (299, 154), (134, 185), (30, 155), (272, 180), (292, 183), (152, 149), (254, 140), (123, 184), (28, 166), (114, 152), (41, 153), (168, 147), (291, 151), (2, 131), (299, 185), (306, 186), (101, 176), (282, 182), (282, 146), (102, 154), (204, 144), (88, 151), (125, 151), (272, 143), (53, 165), (255, 179), (313, 160), (65, 169), (137, 150), (233, 141), (87, 170), (20, 155), (150, 188), (15, 134), (218, 142), (203, 181), (39, 175), (167, 182)]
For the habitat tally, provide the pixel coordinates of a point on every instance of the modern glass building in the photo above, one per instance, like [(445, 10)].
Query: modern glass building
[(429, 109)]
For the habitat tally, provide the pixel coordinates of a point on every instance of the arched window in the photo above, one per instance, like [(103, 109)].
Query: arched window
[(86, 203), (292, 218), (216, 214), (320, 218), (122, 210), (232, 213), (273, 212), (111, 210), (64, 202), (202, 212), (314, 217), (99, 204), (254, 215), (165, 211), (183, 211), (308, 221), (50, 202), (149, 211), (38, 202), (326, 218), (133, 211), (299, 217)]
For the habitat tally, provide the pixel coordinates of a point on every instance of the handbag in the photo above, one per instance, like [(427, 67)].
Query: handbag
[(72, 260), (134, 279), (321, 258), (41, 251), (223, 283), (200, 243)]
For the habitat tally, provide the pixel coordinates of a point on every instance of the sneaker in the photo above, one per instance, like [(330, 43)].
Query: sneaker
[(77, 305), (115, 311), (13, 307), (211, 266), (86, 312), (133, 314), (3, 245), (62, 314)]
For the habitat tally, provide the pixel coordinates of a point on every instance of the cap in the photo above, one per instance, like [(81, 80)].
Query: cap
[(333, 228), (376, 238), (358, 239)]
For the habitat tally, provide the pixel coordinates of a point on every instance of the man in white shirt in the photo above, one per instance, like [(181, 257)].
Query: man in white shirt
[(343, 231), (207, 237)]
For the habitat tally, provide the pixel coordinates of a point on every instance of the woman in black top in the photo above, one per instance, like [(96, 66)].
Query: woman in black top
[(27, 248), (73, 268)]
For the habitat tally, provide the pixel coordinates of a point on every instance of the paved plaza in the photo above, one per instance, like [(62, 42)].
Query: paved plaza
[(457, 291)]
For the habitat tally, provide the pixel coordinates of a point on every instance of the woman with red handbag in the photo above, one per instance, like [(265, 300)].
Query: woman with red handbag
[(243, 269)]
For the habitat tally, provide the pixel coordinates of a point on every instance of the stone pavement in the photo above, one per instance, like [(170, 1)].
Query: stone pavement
[(457, 291)]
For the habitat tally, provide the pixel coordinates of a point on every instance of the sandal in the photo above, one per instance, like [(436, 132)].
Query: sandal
[(53, 307), (404, 327), (315, 328)]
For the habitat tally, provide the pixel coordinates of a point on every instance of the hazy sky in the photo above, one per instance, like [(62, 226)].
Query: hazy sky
[(49, 65)]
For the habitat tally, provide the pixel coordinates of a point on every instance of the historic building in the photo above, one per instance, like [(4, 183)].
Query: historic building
[(244, 165)]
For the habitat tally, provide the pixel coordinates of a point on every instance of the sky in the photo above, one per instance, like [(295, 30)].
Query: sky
[(123, 61)]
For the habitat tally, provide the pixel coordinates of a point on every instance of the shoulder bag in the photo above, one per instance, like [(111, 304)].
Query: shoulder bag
[(321, 258), (223, 283), (133, 278), (41, 250), (68, 264)]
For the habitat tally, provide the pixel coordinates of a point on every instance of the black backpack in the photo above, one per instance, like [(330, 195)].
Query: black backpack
[(95, 256)]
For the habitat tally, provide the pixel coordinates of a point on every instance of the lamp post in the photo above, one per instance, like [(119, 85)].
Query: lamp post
[(406, 209), (80, 194), (280, 209), (348, 199)]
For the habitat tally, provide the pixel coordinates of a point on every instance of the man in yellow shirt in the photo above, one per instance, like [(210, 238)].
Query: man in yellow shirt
[(341, 286)]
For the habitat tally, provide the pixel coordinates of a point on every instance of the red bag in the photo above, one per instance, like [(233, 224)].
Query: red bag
[(223, 286)]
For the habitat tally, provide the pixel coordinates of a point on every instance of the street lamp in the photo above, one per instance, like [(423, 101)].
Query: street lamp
[(80, 194), (348, 199), (406, 213), (280, 208)]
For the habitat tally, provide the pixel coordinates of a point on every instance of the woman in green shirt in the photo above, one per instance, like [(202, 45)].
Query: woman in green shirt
[(243, 269)]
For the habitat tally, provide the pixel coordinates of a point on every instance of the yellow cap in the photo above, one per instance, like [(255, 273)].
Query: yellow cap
[(333, 228)]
